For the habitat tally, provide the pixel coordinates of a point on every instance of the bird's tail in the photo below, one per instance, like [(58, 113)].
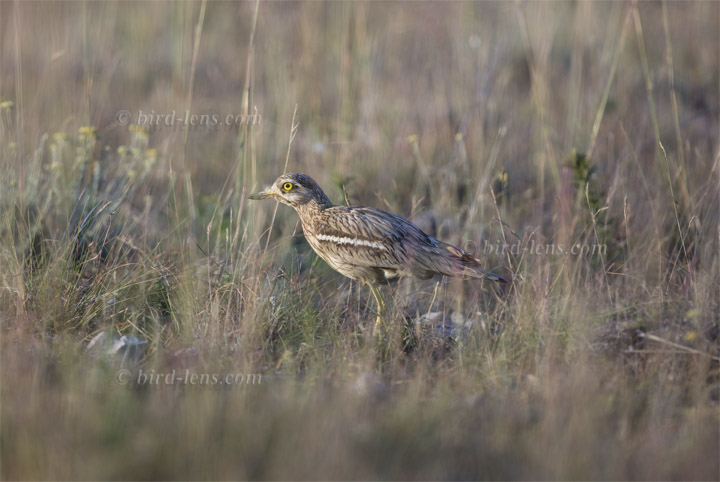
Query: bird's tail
[(465, 265)]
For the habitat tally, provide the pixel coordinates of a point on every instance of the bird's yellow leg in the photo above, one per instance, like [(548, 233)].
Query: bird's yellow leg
[(381, 306)]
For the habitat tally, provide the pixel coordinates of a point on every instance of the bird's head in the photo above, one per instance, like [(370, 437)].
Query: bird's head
[(294, 189)]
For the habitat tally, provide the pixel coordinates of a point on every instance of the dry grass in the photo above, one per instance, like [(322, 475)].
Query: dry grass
[(533, 123)]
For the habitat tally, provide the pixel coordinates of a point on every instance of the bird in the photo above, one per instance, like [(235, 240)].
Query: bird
[(370, 245)]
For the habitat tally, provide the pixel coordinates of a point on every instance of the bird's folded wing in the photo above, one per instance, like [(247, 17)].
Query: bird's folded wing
[(371, 237)]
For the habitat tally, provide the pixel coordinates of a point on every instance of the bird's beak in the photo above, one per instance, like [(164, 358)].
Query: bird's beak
[(268, 192)]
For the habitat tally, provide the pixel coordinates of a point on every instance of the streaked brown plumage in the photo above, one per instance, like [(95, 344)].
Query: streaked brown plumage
[(367, 244)]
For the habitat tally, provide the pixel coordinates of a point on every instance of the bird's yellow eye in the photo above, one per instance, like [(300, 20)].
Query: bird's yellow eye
[(288, 186)]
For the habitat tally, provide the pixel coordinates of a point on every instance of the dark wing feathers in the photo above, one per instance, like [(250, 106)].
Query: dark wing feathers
[(406, 249)]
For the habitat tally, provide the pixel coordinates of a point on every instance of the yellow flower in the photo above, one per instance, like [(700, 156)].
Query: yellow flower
[(692, 314), (138, 129), (6, 104), (60, 137), (88, 131)]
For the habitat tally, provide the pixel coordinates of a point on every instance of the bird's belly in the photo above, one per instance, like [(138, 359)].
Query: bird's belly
[(332, 254), (330, 258)]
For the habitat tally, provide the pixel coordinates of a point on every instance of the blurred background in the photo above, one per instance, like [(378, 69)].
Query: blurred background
[(509, 123)]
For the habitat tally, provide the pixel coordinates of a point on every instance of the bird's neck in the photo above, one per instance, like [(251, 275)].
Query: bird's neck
[(308, 210)]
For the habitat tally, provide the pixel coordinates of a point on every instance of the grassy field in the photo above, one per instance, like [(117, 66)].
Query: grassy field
[(570, 145)]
